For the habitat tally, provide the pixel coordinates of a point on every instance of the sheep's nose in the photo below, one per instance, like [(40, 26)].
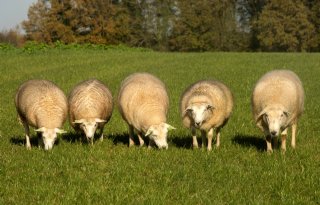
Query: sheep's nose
[(198, 123), (273, 133)]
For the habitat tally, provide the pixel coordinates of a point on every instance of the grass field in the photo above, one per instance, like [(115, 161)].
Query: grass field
[(239, 172)]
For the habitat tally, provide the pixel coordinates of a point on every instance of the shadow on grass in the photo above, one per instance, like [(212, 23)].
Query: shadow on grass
[(250, 141), (21, 141), (120, 138), (182, 141), (72, 137)]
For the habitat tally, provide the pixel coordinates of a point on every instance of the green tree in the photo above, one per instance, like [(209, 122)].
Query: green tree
[(205, 25), (284, 25)]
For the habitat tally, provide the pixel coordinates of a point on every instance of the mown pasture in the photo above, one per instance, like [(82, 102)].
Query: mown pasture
[(239, 172)]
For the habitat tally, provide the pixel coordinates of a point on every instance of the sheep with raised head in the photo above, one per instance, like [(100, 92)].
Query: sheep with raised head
[(41, 104), (90, 107), (206, 105), (277, 103), (143, 104)]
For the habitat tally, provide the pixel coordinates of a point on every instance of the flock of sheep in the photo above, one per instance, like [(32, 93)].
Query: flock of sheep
[(277, 103)]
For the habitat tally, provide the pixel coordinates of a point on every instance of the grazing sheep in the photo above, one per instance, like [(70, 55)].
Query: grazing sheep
[(41, 104), (206, 105), (277, 103), (90, 107), (143, 104)]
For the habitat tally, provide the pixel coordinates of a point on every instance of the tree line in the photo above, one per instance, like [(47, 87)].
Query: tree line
[(179, 25)]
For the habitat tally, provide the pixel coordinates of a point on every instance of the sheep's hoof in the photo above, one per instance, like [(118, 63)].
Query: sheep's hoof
[(270, 151)]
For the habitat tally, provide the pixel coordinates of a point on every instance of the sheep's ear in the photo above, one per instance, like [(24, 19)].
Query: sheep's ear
[(79, 121), (188, 109), (150, 131), (210, 107), (169, 127), (59, 131), (263, 112), (99, 120), (286, 113), (41, 129)]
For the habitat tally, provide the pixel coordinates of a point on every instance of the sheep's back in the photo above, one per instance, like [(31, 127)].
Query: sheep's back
[(90, 99), (41, 103), (141, 94), (280, 87)]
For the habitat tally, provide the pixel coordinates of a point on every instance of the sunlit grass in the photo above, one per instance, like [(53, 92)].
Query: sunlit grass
[(239, 172)]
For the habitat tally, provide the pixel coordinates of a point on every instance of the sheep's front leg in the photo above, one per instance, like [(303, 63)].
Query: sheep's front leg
[(204, 138), (40, 141), (218, 131), (293, 135), (194, 138), (101, 134), (284, 139), (27, 131), (210, 136), (269, 144), (141, 141), (131, 141)]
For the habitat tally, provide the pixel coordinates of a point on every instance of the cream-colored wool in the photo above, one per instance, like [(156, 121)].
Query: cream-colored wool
[(208, 103), (90, 107), (41, 104), (277, 103), (143, 104)]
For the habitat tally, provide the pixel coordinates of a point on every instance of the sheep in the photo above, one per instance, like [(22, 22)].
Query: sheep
[(90, 107), (206, 105), (277, 103), (143, 103), (41, 104)]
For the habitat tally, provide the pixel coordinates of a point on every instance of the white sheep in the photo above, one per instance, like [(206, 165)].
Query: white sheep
[(90, 107), (277, 103), (206, 105), (41, 104), (143, 104)]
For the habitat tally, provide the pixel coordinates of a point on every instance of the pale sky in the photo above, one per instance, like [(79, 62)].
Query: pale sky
[(13, 12)]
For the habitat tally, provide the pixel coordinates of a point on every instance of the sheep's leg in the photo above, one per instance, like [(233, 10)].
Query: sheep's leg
[(40, 141), (218, 132), (284, 139), (269, 144), (204, 140), (131, 141), (151, 143), (101, 134), (27, 131), (210, 136), (141, 141), (274, 142), (90, 140), (293, 135), (194, 138)]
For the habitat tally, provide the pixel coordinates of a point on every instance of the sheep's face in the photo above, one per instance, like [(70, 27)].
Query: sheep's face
[(89, 126), (276, 120), (158, 134), (49, 136), (199, 113)]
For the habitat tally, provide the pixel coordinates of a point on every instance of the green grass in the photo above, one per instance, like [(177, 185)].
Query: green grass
[(239, 172)]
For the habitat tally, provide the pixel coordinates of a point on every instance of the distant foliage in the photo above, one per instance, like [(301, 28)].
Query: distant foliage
[(12, 37), (284, 25), (179, 25)]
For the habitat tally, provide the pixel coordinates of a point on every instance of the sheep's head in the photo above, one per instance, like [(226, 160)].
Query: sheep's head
[(89, 126), (158, 133), (49, 136), (199, 113), (275, 119)]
